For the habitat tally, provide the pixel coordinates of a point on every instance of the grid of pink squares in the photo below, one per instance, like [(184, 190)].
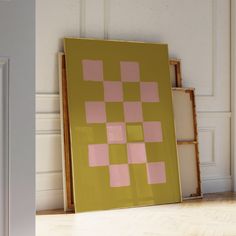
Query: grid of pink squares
[(119, 173), (116, 132)]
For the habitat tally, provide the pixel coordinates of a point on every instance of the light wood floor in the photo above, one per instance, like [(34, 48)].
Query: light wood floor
[(214, 215)]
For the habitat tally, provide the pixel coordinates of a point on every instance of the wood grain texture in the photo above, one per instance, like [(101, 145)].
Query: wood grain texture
[(214, 215)]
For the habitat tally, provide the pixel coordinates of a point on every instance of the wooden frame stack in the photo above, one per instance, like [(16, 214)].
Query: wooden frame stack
[(188, 145)]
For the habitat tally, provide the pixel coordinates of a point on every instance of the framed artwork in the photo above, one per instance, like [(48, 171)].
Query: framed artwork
[(122, 152), (183, 146), (66, 157)]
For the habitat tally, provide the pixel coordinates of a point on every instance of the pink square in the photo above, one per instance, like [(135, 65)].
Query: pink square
[(95, 112), (130, 71), (133, 111), (136, 153), (119, 175), (113, 91), (116, 133), (156, 173), (92, 70), (98, 155), (149, 92), (152, 131)]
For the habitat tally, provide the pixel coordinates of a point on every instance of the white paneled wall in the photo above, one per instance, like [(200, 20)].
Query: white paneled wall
[(198, 32), (49, 187)]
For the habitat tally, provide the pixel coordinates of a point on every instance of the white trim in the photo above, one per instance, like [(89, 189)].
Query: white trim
[(4, 216), (216, 184), (106, 18), (82, 18), (212, 131), (18, 45), (220, 80), (49, 199), (47, 103), (48, 123), (233, 91)]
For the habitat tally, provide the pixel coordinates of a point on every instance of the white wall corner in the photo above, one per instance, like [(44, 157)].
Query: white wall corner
[(233, 91), (4, 157)]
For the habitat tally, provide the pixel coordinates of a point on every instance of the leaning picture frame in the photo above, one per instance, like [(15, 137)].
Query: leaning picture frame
[(65, 132)]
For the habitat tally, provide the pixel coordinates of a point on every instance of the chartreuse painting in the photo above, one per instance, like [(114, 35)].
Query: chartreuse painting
[(121, 122)]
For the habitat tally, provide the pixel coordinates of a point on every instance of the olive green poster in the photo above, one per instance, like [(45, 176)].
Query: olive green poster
[(121, 122)]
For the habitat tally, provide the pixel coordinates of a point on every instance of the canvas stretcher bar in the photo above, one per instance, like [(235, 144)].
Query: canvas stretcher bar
[(187, 140)]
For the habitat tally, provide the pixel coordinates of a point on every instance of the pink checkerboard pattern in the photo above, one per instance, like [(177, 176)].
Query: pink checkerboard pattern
[(98, 154)]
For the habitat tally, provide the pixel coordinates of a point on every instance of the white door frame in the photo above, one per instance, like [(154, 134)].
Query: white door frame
[(17, 70), (233, 92), (4, 157)]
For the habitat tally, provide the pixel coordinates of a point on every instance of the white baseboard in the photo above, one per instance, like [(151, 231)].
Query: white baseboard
[(217, 184)]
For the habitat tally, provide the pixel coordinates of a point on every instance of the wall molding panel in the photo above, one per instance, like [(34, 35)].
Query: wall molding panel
[(93, 25), (207, 36), (48, 123), (49, 200), (49, 183), (217, 184), (55, 20), (207, 146), (214, 146)]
